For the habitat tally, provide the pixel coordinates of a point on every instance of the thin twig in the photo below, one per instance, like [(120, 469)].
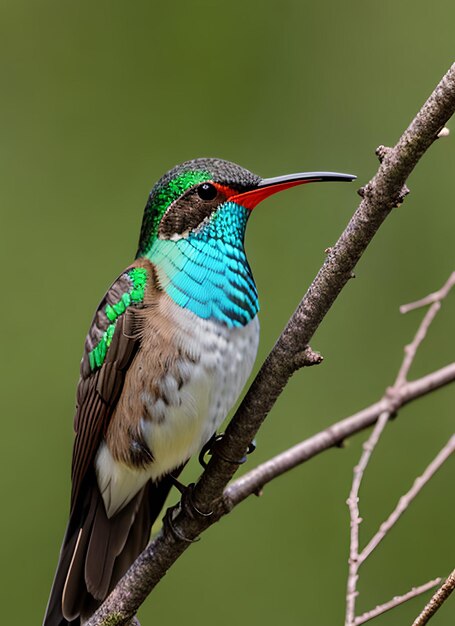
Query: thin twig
[(410, 350), (384, 192), (353, 504), (435, 300), (406, 500), (437, 296), (396, 601), (356, 558), (436, 601)]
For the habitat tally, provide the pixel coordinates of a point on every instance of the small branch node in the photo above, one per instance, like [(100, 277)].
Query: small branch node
[(444, 132), (393, 399), (307, 358), (382, 152), (404, 191)]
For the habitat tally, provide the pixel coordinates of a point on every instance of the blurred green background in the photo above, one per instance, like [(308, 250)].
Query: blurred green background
[(98, 100)]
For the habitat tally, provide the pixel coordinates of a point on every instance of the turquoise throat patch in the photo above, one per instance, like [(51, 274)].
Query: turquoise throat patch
[(207, 272)]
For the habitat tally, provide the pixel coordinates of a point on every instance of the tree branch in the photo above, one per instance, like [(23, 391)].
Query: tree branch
[(333, 436), (385, 191), (380, 196)]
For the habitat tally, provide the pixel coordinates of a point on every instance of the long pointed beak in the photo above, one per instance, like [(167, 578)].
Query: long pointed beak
[(269, 186)]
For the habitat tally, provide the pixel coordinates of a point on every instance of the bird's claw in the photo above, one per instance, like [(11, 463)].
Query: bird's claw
[(212, 447), (188, 505), (168, 524)]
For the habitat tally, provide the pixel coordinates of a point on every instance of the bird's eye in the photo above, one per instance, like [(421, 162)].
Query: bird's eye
[(206, 191)]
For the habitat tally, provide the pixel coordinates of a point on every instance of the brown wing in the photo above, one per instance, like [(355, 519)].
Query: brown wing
[(110, 346)]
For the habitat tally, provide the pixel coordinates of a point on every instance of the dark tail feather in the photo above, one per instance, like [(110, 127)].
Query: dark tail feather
[(97, 551), (54, 616)]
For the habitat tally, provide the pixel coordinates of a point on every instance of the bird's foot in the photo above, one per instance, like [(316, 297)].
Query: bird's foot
[(190, 506), (169, 526), (186, 504), (212, 447)]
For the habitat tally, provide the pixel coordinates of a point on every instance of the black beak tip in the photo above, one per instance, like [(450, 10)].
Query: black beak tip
[(347, 178), (331, 177), (308, 177)]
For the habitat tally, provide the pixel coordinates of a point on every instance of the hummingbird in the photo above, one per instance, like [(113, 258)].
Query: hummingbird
[(170, 347)]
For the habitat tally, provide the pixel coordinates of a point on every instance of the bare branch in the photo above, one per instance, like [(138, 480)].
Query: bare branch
[(436, 601), (435, 300), (396, 601), (410, 350), (380, 196), (406, 500), (437, 296), (353, 504)]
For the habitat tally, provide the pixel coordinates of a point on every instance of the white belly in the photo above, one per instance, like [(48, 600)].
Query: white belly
[(224, 360)]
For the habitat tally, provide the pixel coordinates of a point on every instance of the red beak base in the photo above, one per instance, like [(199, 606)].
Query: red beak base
[(269, 186)]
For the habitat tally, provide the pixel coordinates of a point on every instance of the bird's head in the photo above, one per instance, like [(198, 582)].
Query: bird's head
[(189, 200)]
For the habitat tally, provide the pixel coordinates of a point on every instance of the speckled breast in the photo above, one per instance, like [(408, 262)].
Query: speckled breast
[(184, 407)]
